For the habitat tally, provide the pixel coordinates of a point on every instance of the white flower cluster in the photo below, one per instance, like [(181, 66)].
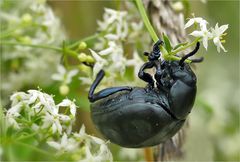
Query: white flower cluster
[(39, 106), (206, 34), (111, 55), (71, 144), (37, 110), (28, 22), (31, 21)]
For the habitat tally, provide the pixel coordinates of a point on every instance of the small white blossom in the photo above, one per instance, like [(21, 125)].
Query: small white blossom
[(44, 100), (15, 110), (198, 20), (130, 154), (81, 134), (17, 97), (86, 80), (99, 64), (136, 62), (70, 104), (101, 156), (112, 47), (65, 145), (204, 34), (52, 120), (217, 33), (64, 75), (11, 122)]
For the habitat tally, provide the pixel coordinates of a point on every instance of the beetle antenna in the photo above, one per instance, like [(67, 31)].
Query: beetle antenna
[(88, 64), (190, 54), (197, 60)]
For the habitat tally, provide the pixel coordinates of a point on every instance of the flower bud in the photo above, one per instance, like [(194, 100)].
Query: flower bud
[(84, 68), (26, 18), (178, 6), (82, 57), (25, 39), (82, 45), (64, 89), (90, 59)]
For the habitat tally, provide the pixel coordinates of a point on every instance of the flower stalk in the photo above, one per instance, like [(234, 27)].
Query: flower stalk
[(146, 20)]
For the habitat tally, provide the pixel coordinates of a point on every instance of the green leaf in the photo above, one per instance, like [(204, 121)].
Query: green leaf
[(180, 45), (167, 43)]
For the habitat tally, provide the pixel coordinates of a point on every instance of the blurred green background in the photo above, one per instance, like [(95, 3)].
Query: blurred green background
[(214, 122)]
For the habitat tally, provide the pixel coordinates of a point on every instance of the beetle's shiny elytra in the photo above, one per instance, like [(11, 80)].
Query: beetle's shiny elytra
[(140, 117)]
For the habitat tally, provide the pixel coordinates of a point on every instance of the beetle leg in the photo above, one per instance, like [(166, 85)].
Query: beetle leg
[(145, 76), (158, 74), (189, 54), (156, 49), (103, 93)]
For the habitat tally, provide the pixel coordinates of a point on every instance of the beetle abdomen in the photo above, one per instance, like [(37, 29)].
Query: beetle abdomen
[(134, 122)]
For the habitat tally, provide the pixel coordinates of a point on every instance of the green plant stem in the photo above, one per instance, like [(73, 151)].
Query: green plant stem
[(31, 45), (34, 148), (9, 32), (27, 136), (65, 50), (85, 40), (146, 20), (184, 47)]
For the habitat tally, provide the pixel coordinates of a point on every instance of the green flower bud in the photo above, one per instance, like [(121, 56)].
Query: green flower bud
[(25, 39), (84, 68), (178, 6), (15, 64), (26, 18), (82, 57), (90, 59), (64, 89), (82, 45)]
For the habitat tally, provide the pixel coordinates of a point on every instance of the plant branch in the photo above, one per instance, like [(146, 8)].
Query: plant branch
[(31, 45), (184, 47), (146, 20)]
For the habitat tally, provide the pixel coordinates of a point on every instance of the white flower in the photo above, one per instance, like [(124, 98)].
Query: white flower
[(136, 62), (65, 145), (111, 37), (217, 33), (64, 75), (99, 64), (204, 34), (102, 155), (81, 134), (52, 120), (12, 122), (44, 99), (112, 47), (70, 104), (64, 118), (86, 80), (15, 110), (129, 153), (198, 20), (17, 97)]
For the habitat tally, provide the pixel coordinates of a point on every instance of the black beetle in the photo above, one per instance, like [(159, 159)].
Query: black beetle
[(140, 117)]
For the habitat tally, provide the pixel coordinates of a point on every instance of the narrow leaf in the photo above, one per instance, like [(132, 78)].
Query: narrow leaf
[(167, 43), (180, 45)]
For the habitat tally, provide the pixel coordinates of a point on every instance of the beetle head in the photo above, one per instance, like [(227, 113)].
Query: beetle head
[(180, 72)]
